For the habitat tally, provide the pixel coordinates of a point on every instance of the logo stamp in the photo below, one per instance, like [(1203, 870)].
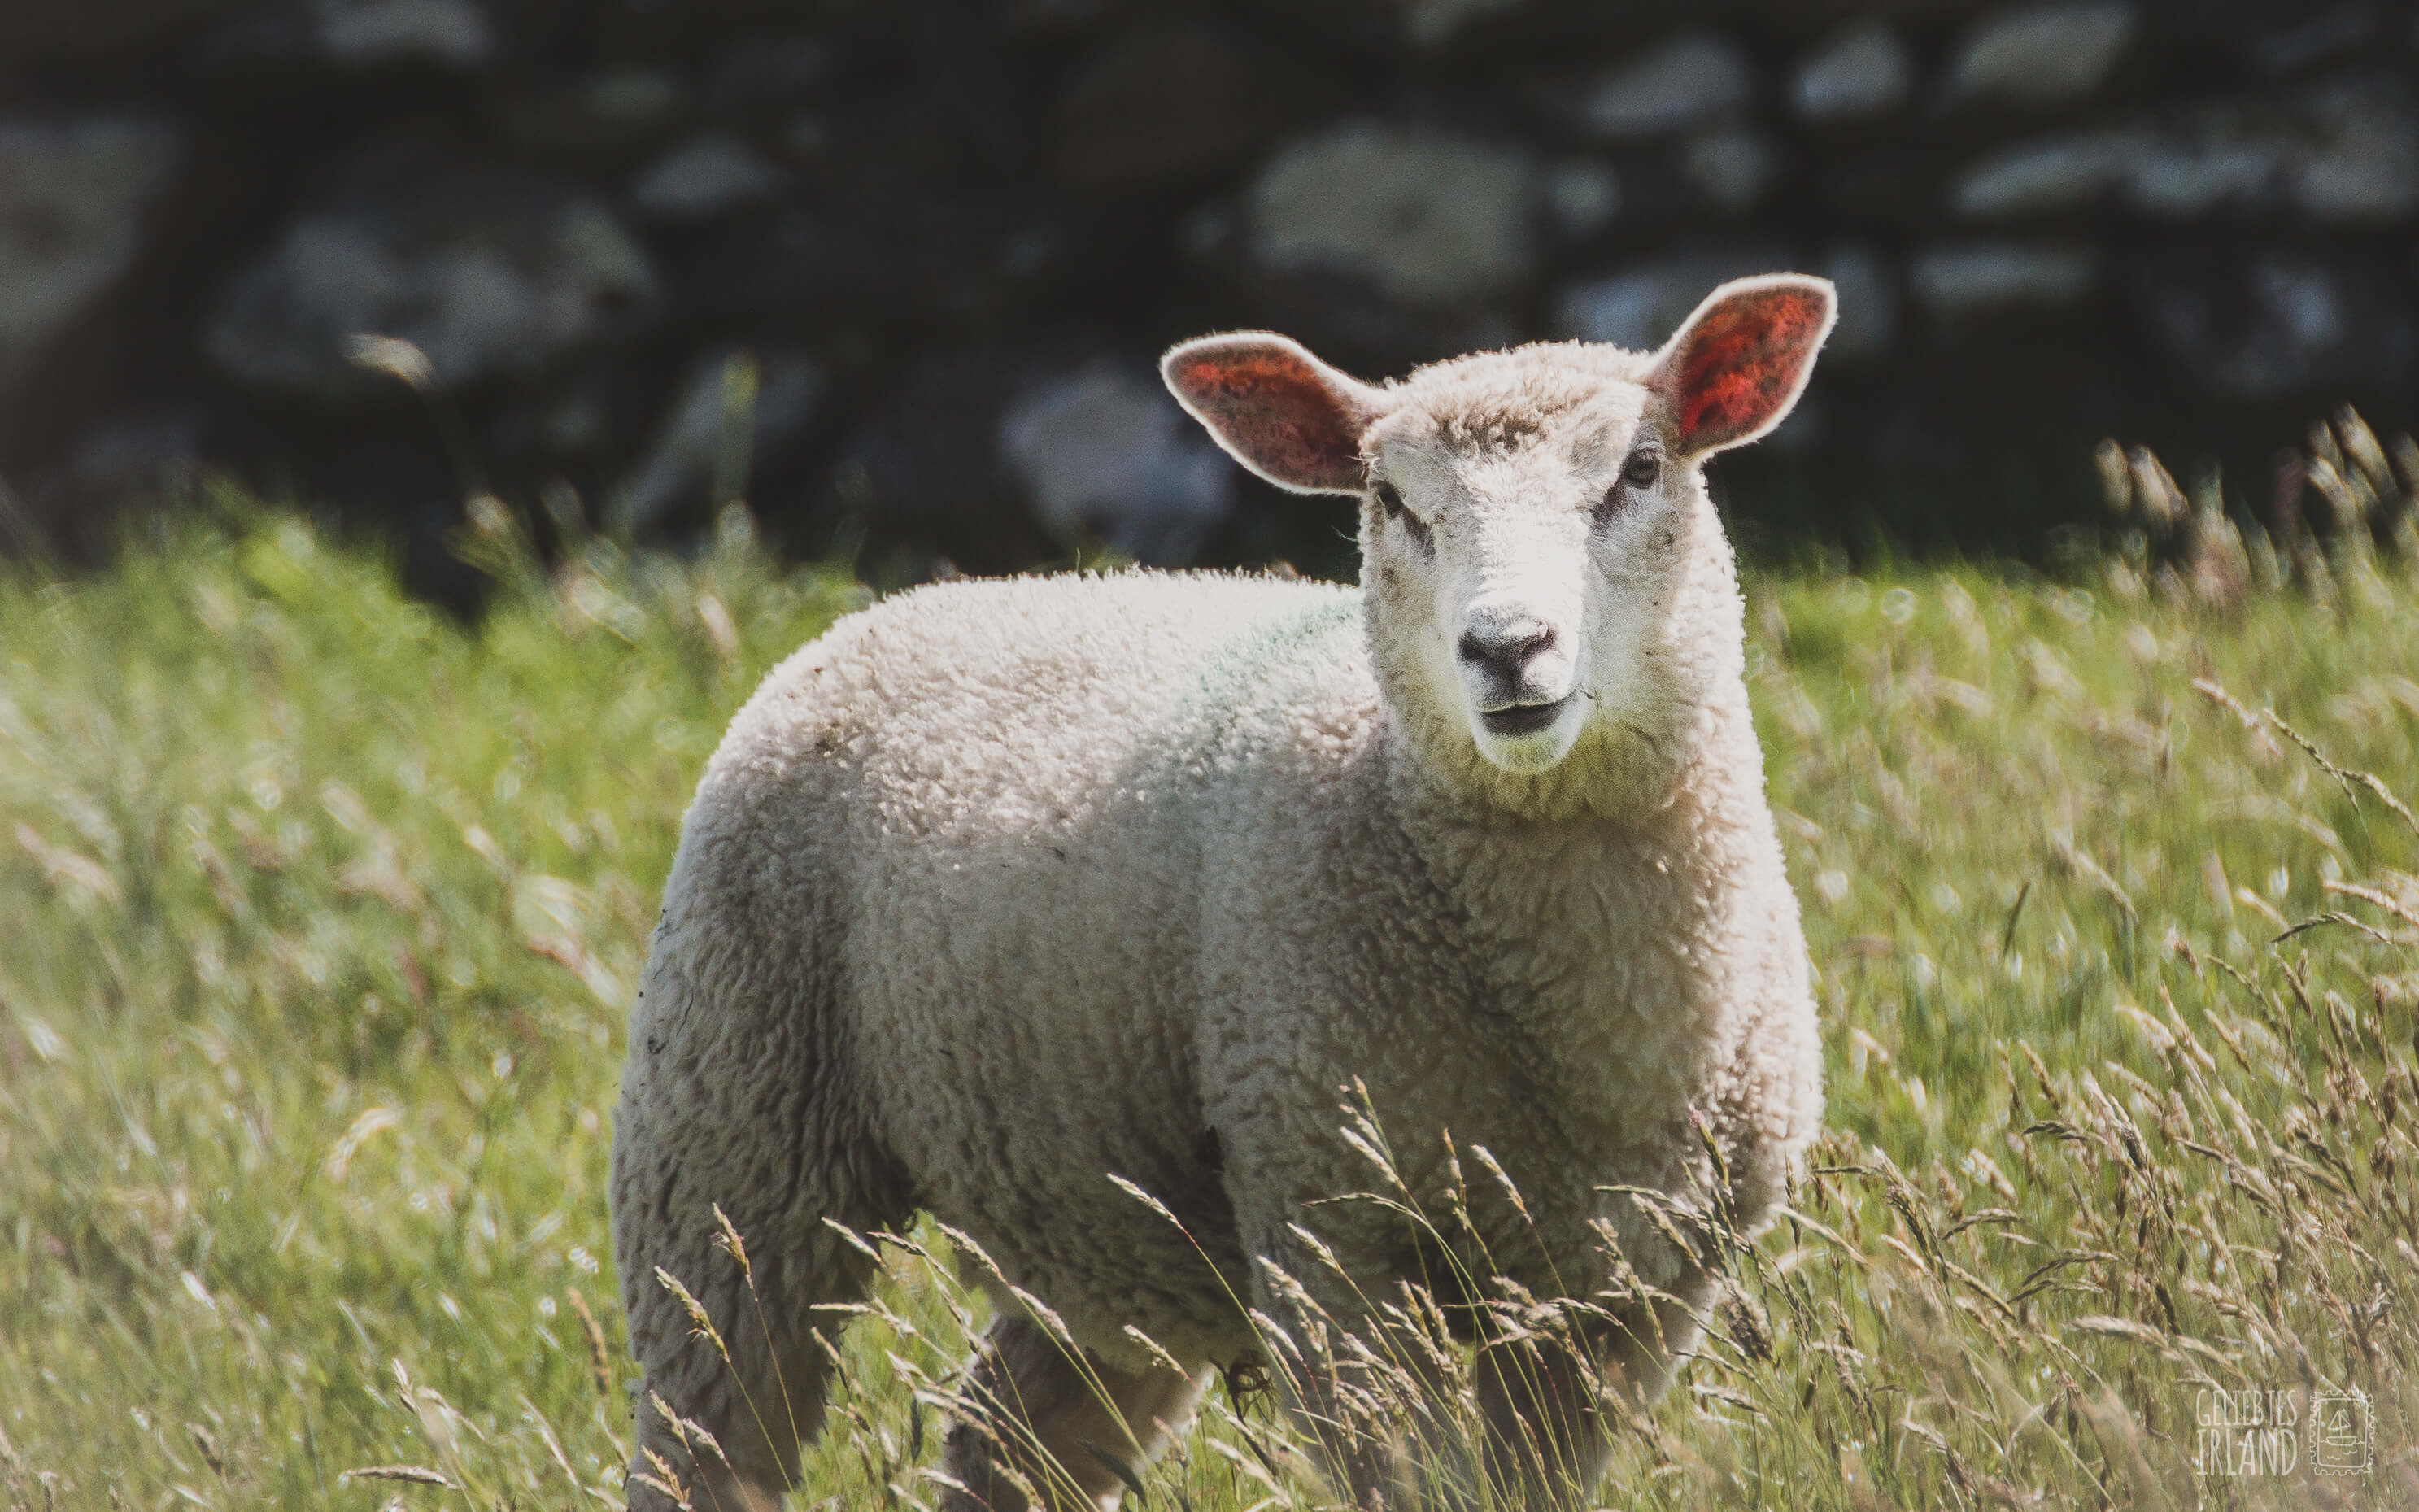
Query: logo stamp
[(2343, 1432)]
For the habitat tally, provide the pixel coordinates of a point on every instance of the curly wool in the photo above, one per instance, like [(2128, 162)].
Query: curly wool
[(1001, 889)]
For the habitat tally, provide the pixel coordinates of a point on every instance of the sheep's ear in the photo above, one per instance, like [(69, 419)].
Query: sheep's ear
[(1276, 409), (1737, 365)]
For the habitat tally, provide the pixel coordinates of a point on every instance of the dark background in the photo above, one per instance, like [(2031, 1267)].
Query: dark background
[(940, 243)]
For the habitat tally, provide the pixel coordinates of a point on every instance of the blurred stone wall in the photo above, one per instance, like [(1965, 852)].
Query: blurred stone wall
[(899, 268)]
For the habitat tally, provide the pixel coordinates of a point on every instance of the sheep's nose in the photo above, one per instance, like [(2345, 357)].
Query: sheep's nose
[(1505, 648)]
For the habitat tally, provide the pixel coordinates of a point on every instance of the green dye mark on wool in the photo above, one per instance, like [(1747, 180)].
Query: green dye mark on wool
[(1235, 674)]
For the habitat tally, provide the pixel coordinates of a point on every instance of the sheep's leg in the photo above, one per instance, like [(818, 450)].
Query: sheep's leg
[(1378, 1445), (760, 1393), (1055, 1414), (1547, 1434), (1548, 1403), (1374, 1464), (718, 1112)]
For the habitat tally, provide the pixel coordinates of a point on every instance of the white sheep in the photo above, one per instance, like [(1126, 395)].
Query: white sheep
[(1000, 889)]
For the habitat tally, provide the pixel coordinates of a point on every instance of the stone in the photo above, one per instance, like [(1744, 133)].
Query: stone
[(1731, 169), (1869, 303), (1960, 283), (1644, 302), (709, 174), (2346, 152), (781, 388), (1161, 104), (362, 33), (2184, 177), (1209, 235), (1694, 80), (1422, 216), (2035, 57), (630, 101), (2278, 325), (74, 200), (1861, 71), (2364, 163), (2318, 38), (1103, 450), (1583, 197), (892, 182), (485, 272), (2055, 175)]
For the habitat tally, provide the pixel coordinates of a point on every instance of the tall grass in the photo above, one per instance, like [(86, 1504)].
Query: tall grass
[(319, 915)]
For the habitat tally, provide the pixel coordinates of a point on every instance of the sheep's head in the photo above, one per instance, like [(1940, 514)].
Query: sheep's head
[(1529, 517)]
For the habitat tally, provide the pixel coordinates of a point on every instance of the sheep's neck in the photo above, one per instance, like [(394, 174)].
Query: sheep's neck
[(1590, 929)]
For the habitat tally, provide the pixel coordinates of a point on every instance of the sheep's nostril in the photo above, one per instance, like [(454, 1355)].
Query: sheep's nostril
[(1507, 653)]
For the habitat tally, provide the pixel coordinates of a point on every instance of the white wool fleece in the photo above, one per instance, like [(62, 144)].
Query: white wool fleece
[(1000, 889)]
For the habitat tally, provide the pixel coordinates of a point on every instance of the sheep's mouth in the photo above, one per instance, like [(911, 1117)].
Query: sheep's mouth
[(1521, 718)]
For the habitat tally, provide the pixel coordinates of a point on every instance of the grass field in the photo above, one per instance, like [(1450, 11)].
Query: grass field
[(320, 915)]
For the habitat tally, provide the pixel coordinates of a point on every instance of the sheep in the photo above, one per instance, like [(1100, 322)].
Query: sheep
[(1001, 898)]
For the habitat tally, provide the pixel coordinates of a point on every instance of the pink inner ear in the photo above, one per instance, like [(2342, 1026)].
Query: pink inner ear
[(1742, 362), (1275, 412)]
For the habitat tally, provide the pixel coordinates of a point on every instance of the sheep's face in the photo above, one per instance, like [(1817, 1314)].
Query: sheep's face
[(1519, 560), (1527, 516)]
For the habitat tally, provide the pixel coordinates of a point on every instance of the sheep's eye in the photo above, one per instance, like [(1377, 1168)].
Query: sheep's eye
[(1637, 475), (1390, 499)]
